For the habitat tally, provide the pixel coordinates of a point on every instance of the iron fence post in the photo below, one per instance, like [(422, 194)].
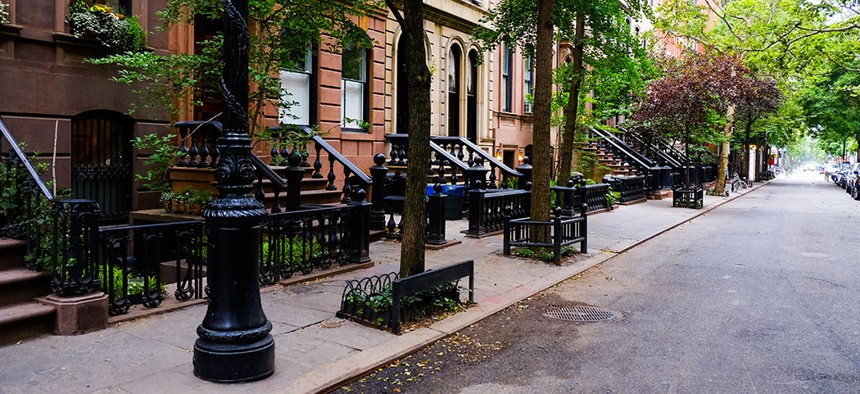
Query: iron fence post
[(295, 173), (378, 173), (359, 229), (476, 211), (526, 170), (75, 247), (436, 213), (556, 236), (234, 343)]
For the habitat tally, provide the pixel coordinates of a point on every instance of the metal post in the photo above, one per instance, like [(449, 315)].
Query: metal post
[(378, 173), (526, 170), (295, 173), (476, 211), (359, 229), (436, 212), (234, 344)]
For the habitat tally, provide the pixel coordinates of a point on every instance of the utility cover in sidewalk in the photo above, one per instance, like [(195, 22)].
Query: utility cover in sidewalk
[(584, 314)]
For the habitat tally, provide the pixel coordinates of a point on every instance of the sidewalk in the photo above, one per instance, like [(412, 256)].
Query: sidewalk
[(314, 349)]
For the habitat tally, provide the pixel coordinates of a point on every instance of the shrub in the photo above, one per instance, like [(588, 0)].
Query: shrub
[(111, 29)]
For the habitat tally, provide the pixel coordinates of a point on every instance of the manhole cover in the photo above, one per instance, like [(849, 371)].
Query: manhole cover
[(582, 314)]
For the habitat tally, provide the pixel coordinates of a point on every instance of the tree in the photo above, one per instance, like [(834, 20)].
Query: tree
[(759, 97), (600, 35), (529, 25), (419, 77), (687, 102), (831, 106)]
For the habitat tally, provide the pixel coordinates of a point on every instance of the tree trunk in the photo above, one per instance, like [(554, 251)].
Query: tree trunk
[(541, 162), (418, 75), (724, 152), (569, 133)]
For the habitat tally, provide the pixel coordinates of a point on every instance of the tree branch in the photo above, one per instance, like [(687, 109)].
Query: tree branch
[(397, 15)]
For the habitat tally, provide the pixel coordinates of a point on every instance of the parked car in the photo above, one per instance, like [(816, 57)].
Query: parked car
[(830, 171)]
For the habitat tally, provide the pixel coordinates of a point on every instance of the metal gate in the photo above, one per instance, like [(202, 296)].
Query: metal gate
[(101, 162)]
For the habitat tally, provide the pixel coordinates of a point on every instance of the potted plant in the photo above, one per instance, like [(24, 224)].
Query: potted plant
[(100, 22), (167, 198)]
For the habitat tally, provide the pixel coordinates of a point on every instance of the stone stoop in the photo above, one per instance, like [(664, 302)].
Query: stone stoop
[(21, 316), (660, 195)]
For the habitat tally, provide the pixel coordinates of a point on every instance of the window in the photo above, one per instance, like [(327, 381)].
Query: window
[(507, 83), (472, 97), (354, 97), (528, 83), (297, 88), (454, 91)]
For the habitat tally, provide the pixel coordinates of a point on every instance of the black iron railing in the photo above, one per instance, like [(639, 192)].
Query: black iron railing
[(301, 241), (563, 231), (197, 143), (632, 188), (487, 209), (132, 258), (595, 197), (354, 177)]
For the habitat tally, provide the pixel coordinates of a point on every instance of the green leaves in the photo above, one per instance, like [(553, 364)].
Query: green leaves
[(157, 165)]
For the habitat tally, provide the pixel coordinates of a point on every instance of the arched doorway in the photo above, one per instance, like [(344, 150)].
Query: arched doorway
[(454, 58), (101, 161), (472, 98)]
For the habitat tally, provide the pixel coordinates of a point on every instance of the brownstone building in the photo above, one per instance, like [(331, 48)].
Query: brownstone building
[(70, 112)]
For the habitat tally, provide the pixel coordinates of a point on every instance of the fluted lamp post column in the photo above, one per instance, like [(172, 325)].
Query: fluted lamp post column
[(234, 344)]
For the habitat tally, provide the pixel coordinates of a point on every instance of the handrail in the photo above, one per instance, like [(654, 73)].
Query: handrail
[(333, 152), (484, 155), (14, 144), (267, 172), (666, 156), (452, 160), (629, 152)]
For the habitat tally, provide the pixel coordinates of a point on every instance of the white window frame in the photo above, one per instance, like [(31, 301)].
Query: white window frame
[(354, 97), (296, 89)]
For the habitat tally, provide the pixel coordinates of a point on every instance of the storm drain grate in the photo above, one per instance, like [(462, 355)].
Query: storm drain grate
[(582, 314)]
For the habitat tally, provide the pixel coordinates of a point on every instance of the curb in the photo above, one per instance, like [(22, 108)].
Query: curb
[(351, 368)]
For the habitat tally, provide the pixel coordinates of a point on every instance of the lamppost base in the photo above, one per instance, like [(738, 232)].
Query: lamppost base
[(234, 362)]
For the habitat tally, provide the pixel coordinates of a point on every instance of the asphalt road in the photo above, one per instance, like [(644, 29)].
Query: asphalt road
[(760, 295)]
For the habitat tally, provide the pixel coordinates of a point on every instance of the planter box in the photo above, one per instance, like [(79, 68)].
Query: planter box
[(688, 198)]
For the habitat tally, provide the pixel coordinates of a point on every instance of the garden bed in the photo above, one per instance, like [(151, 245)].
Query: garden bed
[(385, 301)]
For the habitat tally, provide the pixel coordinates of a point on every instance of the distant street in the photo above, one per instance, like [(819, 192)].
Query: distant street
[(760, 295)]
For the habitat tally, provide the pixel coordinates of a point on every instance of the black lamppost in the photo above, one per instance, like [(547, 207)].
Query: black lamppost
[(234, 343)]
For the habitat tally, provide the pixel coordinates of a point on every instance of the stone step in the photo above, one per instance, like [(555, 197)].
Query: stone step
[(12, 253), (310, 197), (25, 320), (22, 285)]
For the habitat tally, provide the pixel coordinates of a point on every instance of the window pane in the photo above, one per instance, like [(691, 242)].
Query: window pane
[(352, 63), (352, 106), (296, 90)]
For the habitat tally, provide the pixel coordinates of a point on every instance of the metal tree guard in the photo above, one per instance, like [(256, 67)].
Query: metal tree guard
[(234, 344)]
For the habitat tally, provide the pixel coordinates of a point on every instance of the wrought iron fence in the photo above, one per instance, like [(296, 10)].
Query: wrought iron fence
[(633, 188), (301, 241), (131, 259), (487, 209), (562, 231)]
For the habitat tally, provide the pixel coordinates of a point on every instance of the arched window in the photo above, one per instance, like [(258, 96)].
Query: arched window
[(454, 58), (472, 97)]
